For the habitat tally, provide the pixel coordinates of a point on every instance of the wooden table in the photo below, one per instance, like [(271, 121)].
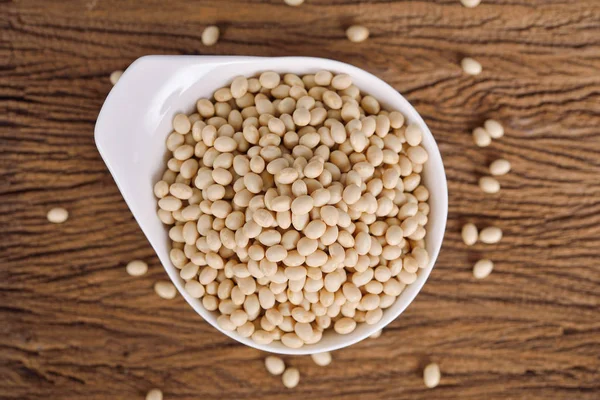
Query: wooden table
[(73, 324)]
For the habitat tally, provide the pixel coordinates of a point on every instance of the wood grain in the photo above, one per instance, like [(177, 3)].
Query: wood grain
[(73, 324)]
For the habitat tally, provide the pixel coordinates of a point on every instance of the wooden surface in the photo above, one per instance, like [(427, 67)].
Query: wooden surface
[(74, 325)]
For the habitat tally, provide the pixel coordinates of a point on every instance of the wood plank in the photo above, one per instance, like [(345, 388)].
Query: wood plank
[(73, 324)]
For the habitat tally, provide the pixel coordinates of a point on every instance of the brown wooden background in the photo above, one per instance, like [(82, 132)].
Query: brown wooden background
[(74, 325)]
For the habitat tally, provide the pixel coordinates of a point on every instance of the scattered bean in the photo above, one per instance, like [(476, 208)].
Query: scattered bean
[(274, 365), (57, 215), (154, 394), (115, 76), (136, 268), (481, 137), (499, 167), (494, 128), (291, 378), (357, 33), (165, 289), (322, 359), (482, 268), (469, 234), (470, 3), (471, 66), (490, 235), (431, 375), (489, 184), (210, 35)]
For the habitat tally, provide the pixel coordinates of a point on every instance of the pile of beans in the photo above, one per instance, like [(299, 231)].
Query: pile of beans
[(296, 205)]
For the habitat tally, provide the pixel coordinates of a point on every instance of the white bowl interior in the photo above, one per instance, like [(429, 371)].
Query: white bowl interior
[(136, 118)]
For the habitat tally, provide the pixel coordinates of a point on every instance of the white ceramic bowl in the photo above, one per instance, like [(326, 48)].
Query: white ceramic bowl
[(136, 118)]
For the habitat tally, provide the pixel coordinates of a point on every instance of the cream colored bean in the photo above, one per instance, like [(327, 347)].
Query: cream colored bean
[(181, 124), (341, 81), (262, 337), (421, 256), (489, 185), (168, 203), (286, 176), (137, 268), (269, 79), (274, 365), (246, 330), (304, 331), (407, 277), (154, 394), (499, 167), (413, 135), (322, 359), (276, 253), (239, 87), (431, 374), (194, 289), (490, 235), (161, 189), (295, 273), (471, 66), (58, 215), (417, 155), (263, 218), (225, 323), (376, 335), (470, 3), (301, 116), (293, 341), (115, 76), (291, 376), (469, 234), (165, 289), (494, 128), (481, 137), (315, 229), (482, 268), (357, 33), (302, 205), (210, 35), (344, 326), (225, 144)]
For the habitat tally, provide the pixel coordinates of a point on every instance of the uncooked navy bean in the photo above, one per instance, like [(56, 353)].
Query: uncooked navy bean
[(57, 215), (274, 365), (431, 375), (291, 376), (470, 3), (489, 184), (210, 35), (469, 234), (481, 137), (115, 76), (471, 66), (154, 394), (136, 268), (165, 289), (322, 359), (494, 128), (482, 268), (490, 235), (357, 33), (499, 167)]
